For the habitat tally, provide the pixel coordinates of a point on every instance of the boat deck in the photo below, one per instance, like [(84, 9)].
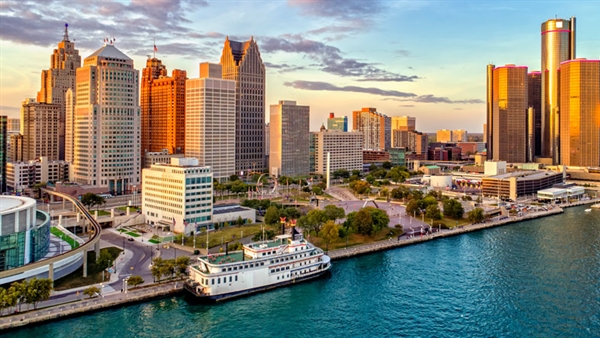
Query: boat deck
[(226, 258)]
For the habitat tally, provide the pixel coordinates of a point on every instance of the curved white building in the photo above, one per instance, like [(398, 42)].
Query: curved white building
[(24, 232)]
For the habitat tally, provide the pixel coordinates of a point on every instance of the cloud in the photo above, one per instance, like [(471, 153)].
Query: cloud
[(458, 109), (319, 86), (26, 22), (402, 52), (355, 11), (10, 108), (391, 95), (283, 68), (329, 59)]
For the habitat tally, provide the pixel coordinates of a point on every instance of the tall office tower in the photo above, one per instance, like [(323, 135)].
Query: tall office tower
[(64, 62), (242, 63), (40, 127), (579, 104), (489, 119), (162, 103), (14, 125), (376, 128), (534, 98), (267, 144), (444, 136), (509, 113), (15, 148), (345, 149), (460, 135), (3, 151), (289, 136), (210, 122), (107, 122), (401, 123), (558, 45), (337, 123)]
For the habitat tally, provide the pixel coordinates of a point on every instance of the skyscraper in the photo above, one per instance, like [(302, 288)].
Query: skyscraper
[(289, 137), (3, 151), (579, 103), (401, 124), (337, 123), (489, 109), (107, 122), (444, 136), (162, 104), (376, 128), (242, 63), (558, 45), (509, 112), (534, 94), (64, 62), (460, 135), (41, 128), (210, 122)]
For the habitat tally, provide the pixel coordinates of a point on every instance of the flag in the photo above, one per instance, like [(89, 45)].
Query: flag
[(155, 49)]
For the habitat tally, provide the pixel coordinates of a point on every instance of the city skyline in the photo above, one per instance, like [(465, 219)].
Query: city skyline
[(404, 58)]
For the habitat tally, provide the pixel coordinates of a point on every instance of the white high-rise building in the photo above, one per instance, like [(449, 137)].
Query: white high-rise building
[(345, 149), (210, 121), (178, 196), (106, 145)]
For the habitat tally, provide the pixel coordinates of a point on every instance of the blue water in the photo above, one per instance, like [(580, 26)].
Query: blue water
[(539, 278)]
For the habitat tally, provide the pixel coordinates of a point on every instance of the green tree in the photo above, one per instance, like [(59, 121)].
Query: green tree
[(387, 165), (349, 224), (370, 179), (156, 269), (397, 174), (356, 173), (272, 215), (134, 281), (90, 200), (433, 211), (20, 291), (380, 218), (240, 221), (233, 178), (360, 187), (38, 189), (92, 291), (412, 208), (317, 190), (373, 167), (181, 265), (476, 215), (363, 222), (334, 213), (453, 209), (341, 173), (290, 213), (37, 290), (104, 260), (330, 233)]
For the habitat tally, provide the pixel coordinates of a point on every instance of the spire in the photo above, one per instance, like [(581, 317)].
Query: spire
[(66, 36)]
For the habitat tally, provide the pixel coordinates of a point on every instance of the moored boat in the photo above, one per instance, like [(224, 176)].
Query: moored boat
[(258, 267)]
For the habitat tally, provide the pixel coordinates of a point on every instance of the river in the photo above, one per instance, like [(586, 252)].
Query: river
[(538, 278)]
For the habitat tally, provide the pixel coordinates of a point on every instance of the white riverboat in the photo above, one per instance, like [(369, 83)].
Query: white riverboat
[(259, 266)]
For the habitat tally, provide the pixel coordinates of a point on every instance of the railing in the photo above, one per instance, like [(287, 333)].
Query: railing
[(83, 248)]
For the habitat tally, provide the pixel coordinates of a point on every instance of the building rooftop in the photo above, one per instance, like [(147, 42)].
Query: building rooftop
[(8, 203), (110, 51)]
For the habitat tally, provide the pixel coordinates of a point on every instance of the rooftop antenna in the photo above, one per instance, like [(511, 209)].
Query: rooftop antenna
[(66, 35), (155, 49)]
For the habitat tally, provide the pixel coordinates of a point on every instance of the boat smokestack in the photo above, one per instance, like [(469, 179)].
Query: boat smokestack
[(226, 248), (282, 228)]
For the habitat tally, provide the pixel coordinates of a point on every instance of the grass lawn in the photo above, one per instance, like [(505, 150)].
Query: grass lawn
[(76, 279), (133, 234), (154, 241), (73, 243), (448, 222), (227, 234), (355, 239), (100, 212)]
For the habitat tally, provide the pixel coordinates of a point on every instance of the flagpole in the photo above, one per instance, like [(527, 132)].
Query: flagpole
[(155, 48)]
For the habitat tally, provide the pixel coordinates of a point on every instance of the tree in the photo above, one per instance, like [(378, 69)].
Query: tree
[(181, 264), (412, 208), (343, 173), (157, 265), (37, 290), (363, 222), (240, 221), (92, 291), (272, 216), (476, 215), (397, 174), (290, 213), (387, 165), (356, 173), (20, 292), (380, 218), (349, 224), (373, 167), (330, 233), (433, 211), (134, 281), (104, 260), (90, 200), (38, 188), (317, 190), (360, 187), (233, 178), (334, 213), (370, 179), (453, 209)]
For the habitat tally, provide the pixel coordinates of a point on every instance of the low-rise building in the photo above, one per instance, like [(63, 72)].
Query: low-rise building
[(22, 175), (231, 213), (163, 156), (345, 149), (178, 196), (517, 184)]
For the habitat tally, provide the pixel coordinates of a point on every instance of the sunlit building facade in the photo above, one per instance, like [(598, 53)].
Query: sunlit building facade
[(509, 113), (107, 122), (444, 136), (3, 151), (558, 45), (579, 103), (41, 127), (242, 63), (289, 137), (375, 127), (337, 123), (210, 128), (534, 94), (162, 104), (345, 149)]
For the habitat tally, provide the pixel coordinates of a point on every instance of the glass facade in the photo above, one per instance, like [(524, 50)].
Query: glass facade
[(14, 247), (3, 150)]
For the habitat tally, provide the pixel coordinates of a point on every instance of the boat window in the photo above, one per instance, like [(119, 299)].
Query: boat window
[(212, 281), (236, 278), (219, 280), (262, 263), (263, 253), (272, 270), (251, 265), (234, 268), (230, 279), (228, 269)]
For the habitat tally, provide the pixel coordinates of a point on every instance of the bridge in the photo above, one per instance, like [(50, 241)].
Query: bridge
[(93, 241)]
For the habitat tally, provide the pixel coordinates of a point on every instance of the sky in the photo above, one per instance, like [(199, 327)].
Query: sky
[(419, 58)]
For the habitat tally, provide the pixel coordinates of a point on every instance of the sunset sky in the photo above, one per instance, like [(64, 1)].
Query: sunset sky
[(419, 58)]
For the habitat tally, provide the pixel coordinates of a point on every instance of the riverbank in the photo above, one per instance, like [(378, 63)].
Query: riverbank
[(395, 243), (88, 305)]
